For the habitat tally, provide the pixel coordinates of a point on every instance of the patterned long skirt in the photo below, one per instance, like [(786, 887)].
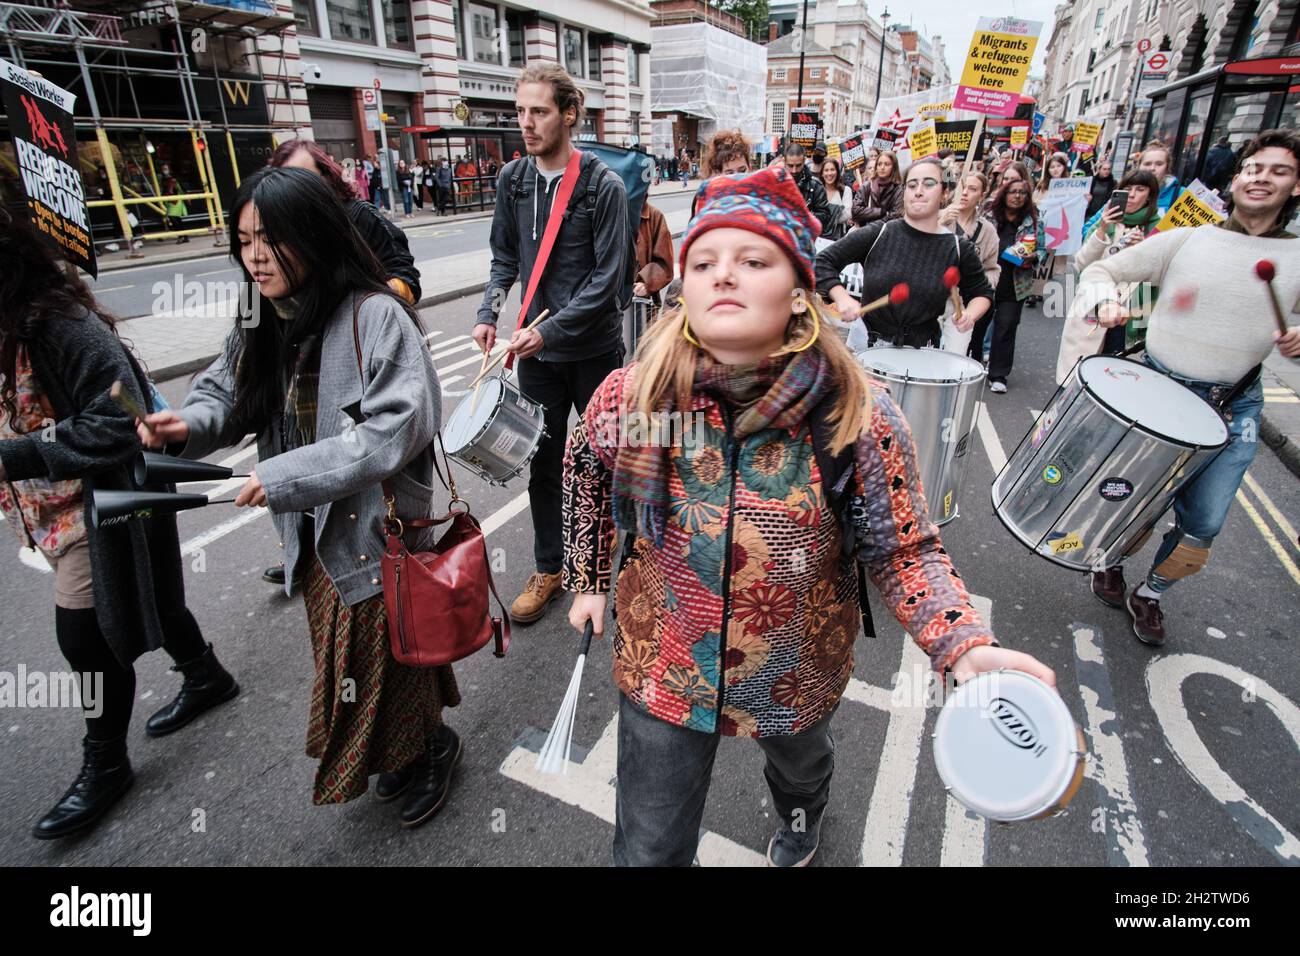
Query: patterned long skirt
[(369, 714)]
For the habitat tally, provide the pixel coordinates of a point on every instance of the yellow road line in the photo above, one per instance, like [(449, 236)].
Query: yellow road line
[(1272, 509), (1273, 543)]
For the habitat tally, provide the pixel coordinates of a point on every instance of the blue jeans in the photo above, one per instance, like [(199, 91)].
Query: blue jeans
[(406, 201), (381, 198), (663, 780), (1201, 506)]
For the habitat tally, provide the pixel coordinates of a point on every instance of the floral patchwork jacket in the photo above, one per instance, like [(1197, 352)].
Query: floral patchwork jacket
[(752, 551)]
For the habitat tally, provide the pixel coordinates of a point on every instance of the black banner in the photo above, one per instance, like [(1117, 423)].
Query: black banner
[(957, 136), (45, 146), (853, 151), (885, 139), (805, 126)]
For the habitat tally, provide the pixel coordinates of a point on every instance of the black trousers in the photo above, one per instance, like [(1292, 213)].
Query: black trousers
[(1005, 316), (559, 387)]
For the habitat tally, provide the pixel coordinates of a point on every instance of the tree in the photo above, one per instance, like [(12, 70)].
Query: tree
[(754, 13)]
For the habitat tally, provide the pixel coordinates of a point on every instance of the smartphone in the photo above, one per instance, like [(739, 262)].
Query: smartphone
[(1119, 199)]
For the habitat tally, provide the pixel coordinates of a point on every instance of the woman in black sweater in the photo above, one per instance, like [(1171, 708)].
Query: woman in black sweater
[(915, 250), (118, 591)]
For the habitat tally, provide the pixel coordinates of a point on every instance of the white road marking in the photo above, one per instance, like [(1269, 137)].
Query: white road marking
[(432, 334), (989, 436), (215, 272), (1107, 766), (507, 511), (1165, 677), (463, 347), (34, 560), (195, 544), (965, 833), (473, 360), (116, 288)]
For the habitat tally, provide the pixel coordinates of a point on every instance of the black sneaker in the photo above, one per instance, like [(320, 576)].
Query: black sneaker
[(788, 848), (274, 575)]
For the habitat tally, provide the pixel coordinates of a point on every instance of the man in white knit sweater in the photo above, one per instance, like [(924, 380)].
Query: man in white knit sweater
[(1211, 328)]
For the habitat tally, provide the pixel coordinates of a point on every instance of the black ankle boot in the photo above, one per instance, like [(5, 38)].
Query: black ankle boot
[(206, 685), (392, 785), (105, 776), (433, 782)]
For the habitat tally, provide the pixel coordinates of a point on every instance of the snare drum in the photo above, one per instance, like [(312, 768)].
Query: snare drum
[(1104, 461), (498, 436), (1007, 748), (938, 393)]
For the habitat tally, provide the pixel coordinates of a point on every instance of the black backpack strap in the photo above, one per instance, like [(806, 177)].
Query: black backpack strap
[(517, 178), (837, 479)]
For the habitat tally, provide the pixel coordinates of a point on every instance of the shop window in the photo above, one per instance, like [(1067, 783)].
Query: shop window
[(573, 51), (304, 11), (351, 20), (487, 48), (397, 23)]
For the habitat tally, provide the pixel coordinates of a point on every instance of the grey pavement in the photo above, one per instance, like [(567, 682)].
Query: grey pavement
[(1194, 756)]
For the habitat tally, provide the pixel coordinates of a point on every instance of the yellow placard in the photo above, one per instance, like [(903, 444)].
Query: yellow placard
[(1071, 542), (924, 141), (997, 65), (1086, 134), (934, 111), (833, 149), (1187, 211), (1019, 137)]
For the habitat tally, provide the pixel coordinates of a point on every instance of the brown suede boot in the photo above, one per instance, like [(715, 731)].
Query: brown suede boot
[(539, 592)]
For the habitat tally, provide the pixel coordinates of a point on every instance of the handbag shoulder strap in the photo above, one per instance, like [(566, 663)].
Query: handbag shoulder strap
[(567, 184)]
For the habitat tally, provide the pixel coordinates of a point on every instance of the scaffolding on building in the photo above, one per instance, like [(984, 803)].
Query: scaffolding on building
[(36, 34), (710, 73)]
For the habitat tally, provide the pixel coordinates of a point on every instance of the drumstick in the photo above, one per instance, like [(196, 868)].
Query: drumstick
[(504, 352), (123, 398), (473, 402), (1266, 271), (951, 277), (897, 296)]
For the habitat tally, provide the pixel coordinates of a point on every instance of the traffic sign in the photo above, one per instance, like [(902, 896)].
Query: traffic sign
[(1157, 62), (1143, 46), (376, 82), (367, 97)]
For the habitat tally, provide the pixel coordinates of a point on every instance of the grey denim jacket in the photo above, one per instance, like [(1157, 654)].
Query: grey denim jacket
[(337, 478)]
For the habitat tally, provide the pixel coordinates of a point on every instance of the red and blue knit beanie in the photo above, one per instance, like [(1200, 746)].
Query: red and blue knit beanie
[(768, 203)]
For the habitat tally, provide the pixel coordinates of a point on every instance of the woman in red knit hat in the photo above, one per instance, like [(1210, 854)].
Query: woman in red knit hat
[(738, 591)]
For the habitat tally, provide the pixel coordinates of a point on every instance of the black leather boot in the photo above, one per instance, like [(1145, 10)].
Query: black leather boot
[(392, 785), (105, 776), (433, 783), (206, 685)]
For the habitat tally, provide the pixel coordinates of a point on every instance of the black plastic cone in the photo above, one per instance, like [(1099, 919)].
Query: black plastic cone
[(152, 468), (108, 508)]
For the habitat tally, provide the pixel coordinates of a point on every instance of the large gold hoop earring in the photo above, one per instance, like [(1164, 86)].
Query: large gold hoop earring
[(817, 327), (686, 330)]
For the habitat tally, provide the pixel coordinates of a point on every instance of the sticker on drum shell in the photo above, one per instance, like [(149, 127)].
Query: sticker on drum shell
[(505, 441), (1052, 474), (525, 405), (947, 504), (1116, 489), (1061, 543)]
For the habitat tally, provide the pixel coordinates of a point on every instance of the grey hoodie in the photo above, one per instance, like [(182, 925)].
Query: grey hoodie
[(587, 268)]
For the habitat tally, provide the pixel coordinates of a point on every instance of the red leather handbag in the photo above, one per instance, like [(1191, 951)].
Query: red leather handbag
[(437, 601)]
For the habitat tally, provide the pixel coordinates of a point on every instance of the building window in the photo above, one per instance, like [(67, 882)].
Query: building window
[(778, 117), (458, 27), (304, 11), (633, 66), (573, 51), (487, 48), (397, 23), (350, 20), (1101, 15), (778, 74), (593, 59), (515, 28), (815, 73)]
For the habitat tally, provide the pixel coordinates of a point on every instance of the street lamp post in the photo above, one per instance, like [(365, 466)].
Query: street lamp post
[(880, 69), (803, 43)]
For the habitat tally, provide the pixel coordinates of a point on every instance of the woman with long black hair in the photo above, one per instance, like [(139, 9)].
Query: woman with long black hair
[(335, 381), (119, 591), (1021, 244)]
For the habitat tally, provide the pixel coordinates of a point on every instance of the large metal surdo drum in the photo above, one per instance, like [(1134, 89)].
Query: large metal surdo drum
[(938, 393), (1104, 461)]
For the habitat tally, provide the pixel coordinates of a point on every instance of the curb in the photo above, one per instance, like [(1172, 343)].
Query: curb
[(1285, 448)]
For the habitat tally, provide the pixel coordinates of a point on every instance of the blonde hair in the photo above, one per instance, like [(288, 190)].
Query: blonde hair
[(666, 364)]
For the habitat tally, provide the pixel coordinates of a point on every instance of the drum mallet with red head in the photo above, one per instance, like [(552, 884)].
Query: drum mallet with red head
[(951, 279), (1266, 271), (897, 296)]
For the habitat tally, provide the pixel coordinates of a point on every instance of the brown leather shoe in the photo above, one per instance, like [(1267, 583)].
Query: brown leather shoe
[(539, 592), (1109, 586), (1148, 621)]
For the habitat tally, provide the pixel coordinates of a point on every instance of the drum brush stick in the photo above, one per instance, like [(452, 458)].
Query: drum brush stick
[(951, 279), (1266, 271), (504, 352), (897, 296), (129, 404)]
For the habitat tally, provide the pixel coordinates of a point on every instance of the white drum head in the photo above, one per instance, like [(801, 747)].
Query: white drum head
[(464, 425), (923, 365), (1154, 401), (1006, 746)]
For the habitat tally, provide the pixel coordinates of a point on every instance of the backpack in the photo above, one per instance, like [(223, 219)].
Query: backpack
[(634, 168)]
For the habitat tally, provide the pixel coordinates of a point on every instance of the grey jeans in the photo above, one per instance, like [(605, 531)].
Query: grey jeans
[(663, 780)]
